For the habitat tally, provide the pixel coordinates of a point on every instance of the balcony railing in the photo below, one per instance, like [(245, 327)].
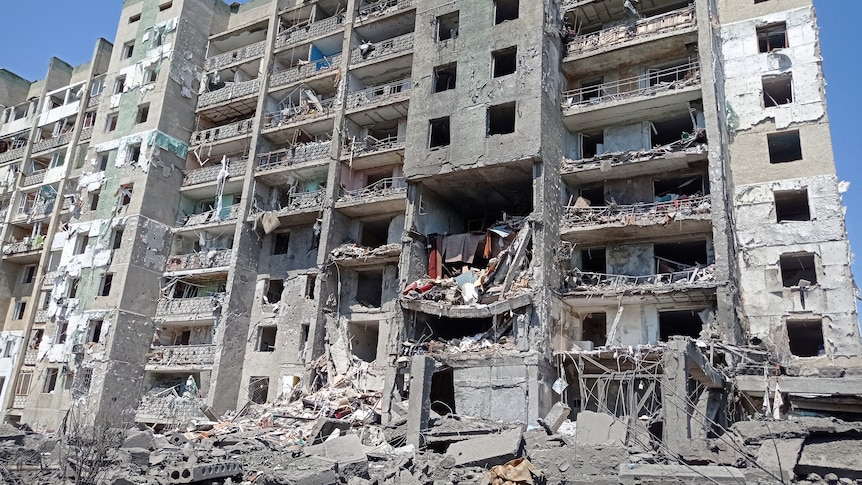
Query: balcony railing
[(182, 355), (50, 143), (297, 114), (237, 55), (204, 305), (658, 212), (382, 49), (584, 282), (304, 30), (372, 145), (34, 178), (381, 188), (304, 71), (231, 91), (202, 260), (378, 94), (86, 133), (169, 407), (12, 154), (654, 82), (218, 133), (41, 316), (294, 155), (384, 7), (299, 201), (235, 168), (94, 100), (224, 215), (31, 357), (641, 29), (24, 246)]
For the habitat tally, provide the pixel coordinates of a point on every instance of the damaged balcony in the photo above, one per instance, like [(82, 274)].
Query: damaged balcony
[(51, 141), (373, 241), (231, 93), (373, 146), (219, 134), (654, 92), (185, 357), (288, 193), (305, 71), (192, 309), (371, 11), (387, 194), (308, 23), (302, 114), (376, 97), (235, 56), (655, 25), (232, 169), (372, 51), (26, 250), (210, 218), (169, 406), (295, 157), (211, 261)]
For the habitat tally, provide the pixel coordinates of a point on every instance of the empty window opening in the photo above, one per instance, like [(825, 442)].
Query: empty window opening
[(103, 162), (805, 337), (94, 331), (594, 327), (165, 6), (671, 189), (591, 89), (304, 330), (784, 146), (274, 288), (594, 260), (280, 243), (128, 50), (504, 61), (35, 338), (94, 201), (452, 328), (505, 10), (447, 26), (777, 90), (594, 194), (150, 76), (143, 113), (72, 292), (501, 119), (29, 274), (375, 232), (443, 391), (676, 257), (438, 132), (125, 195), (792, 205), (81, 243), (369, 288), (83, 380), (120, 84), (310, 281), (444, 77), (685, 323), (105, 284), (134, 153), (266, 339), (669, 131), (117, 239), (182, 338), (797, 269), (62, 327), (592, 144), (134, 18), (51, 374), (363, 340), (258, 389), (771, 37), (18, 312)]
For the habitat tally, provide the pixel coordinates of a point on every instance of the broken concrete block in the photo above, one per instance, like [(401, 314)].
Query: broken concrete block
[(349, 455), (556, 417), (599, 429), (636, 473), (487, 451), (780, 456), (837, 455), (139, 456), (325, 426), (303, 471), (12, 434), (139, 439)]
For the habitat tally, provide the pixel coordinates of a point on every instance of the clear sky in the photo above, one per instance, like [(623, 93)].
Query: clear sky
[(31, 36)]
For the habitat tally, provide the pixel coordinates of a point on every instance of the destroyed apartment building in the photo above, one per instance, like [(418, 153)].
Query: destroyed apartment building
[(621, 212)]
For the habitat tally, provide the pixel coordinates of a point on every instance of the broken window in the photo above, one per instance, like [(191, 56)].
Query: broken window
[(280, 243), (777, 90), (505, 10), (83, 380), (675, 257), (443, 391), (784, 146), (50, 384), (792, 205), (81, 243), (438, 132), (128, 50), (94, 201), (594, 194), (363, 340), (125, 195), (594, 260), (670, 189), (453, 328), (501, 119), (591, 89), (103, 162), (805, 337), (504, 61), (25, 379), (72, 292), (592, 144), (120, 84), (258, 389), (447, 26), (150, 76), (111, 122), (117, 239), (274, 287), (304, 330), (143, 113), (310, 280), (797, 269), (771, 37), (594, 327), (36, 338), (266, 339), (686, 323), (18, 312), (134, 153), (369, 288), (89, 119), (444, 77), (375, 232), (94, 330), (29, 274), (105, 284), (9, 349), (62, 326), (669, 131)]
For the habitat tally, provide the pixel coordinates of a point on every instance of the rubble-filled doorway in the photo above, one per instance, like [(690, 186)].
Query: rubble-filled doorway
[(679, 322), (443, 391)]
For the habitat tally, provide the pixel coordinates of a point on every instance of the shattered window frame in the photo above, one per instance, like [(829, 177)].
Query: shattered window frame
[(768, 34)]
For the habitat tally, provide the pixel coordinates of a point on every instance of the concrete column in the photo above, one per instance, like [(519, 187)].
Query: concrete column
[(674, 391), (419, 411)]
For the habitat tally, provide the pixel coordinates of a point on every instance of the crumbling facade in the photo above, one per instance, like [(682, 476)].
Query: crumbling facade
[(230, 201)]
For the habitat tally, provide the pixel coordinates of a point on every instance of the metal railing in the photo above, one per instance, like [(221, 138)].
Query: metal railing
[(384, 7), (304, 30), (231, 91), (383, 93), (648, 84), (382, 49), (297, 114), (201, 260), (383, 187), (225, 59), (641, 29), (225, 215), (203, 305), (182, 355), (217, 133), (287, 157), (235, 168), (628, 214), (371, 145), (50, 143), (603, 282), (304, 71)]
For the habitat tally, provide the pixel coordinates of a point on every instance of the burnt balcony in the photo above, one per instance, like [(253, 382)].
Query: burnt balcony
[(295, 155), (227, 214), (376, 95), (52, 143), (304, 30), (298, 114), (304, 71), (380, 50), (580, 283), (12, 154), (232, 91), (188, 309), (220, 61), (197, 261), (669, 23), (224, 132), (211, 174), (195, 356), (382, 8)]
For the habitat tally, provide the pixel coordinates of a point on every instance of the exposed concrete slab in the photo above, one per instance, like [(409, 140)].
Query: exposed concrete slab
[(831, 455), (635, 473), (780, 456), (802, 385), (487, 451), (599, 429)]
